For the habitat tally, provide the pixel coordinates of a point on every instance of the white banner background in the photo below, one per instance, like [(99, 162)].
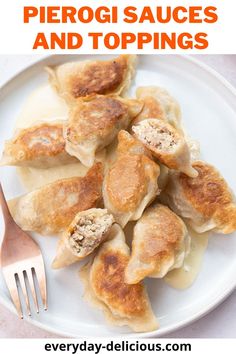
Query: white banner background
[(18, 38), (37, 346)]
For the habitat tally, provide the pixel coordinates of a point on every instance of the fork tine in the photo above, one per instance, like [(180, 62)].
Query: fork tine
[(32, 289), (21, 254), (22, 284), (10, 280), (41, 279)]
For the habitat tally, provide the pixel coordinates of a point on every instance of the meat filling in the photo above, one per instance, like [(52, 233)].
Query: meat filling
[(88, 232), (156, 135)]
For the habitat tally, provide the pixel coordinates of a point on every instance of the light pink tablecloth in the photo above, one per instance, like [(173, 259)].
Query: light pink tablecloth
[(219, 323)]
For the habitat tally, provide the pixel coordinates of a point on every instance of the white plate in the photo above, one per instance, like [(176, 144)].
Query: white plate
[(209, 105)]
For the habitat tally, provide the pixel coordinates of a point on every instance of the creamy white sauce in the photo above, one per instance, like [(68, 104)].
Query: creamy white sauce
[(44, 104), (33, 178), (184, 277)]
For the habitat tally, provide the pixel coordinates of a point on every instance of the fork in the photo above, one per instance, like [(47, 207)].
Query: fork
[(22, 264)]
